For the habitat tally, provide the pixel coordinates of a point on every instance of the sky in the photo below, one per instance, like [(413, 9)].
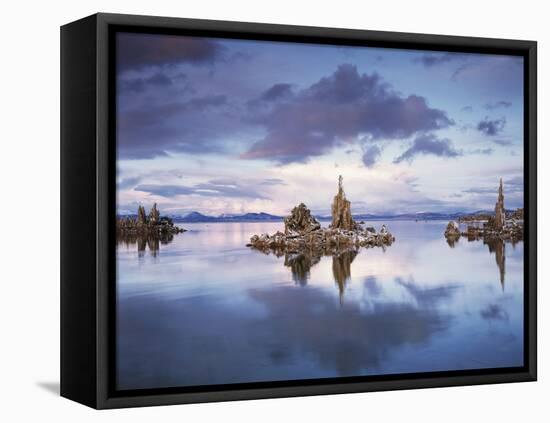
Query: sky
[(226, 126)]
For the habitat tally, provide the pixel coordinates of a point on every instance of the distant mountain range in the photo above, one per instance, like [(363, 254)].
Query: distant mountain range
[(196, 217), (247, 217)]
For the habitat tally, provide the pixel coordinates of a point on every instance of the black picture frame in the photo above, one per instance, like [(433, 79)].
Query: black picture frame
[(87, 231)]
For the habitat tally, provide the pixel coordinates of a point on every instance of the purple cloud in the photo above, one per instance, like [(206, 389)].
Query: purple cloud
[(276, 92), (428, 144), (138, 51), (511, 185), (336, 110), (371, 155), (165, 190), (154, 130), (433, 59), (482, 151), (273, 181), (498, 105), (138, 85), (502, 142), (128, 183), (491, 127), (214, 188)]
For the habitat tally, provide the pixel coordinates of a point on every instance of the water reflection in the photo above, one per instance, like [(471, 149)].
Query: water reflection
[(341, 270), (208, 310), (498, 247), (452, 241), (144, 242), (302, 333), (300, 265)]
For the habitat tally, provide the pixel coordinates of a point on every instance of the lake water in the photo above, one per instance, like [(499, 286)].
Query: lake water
[(205, 309)]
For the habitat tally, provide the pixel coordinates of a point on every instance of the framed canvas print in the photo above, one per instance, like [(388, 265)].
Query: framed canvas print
[(255, 211)]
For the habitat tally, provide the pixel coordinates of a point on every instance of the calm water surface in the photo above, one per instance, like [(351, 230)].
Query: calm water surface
[(204, 309)]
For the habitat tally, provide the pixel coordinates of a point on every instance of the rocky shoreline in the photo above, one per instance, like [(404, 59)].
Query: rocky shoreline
[(500, 226), (304, 233), (152, 225)]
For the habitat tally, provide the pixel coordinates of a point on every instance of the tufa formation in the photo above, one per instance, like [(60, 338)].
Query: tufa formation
[(142, 225), (497, 226), (304, 233), (300, 221), (499, 209), (341, 210)]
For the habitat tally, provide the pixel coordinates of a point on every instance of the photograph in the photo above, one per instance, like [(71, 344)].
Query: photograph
[(255, 212), (301, 211)]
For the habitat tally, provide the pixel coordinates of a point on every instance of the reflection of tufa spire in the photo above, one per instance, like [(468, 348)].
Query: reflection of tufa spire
[(498, 247), (300, 265), (341, 270), (500, 257)]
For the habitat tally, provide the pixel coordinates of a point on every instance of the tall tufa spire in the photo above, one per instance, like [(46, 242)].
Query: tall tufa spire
[(341, 210), (500, 214)]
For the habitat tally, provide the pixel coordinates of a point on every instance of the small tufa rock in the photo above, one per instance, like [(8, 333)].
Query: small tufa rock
[(300, 221), (452, 229), (141, 219), (154, 215), (152, 226)]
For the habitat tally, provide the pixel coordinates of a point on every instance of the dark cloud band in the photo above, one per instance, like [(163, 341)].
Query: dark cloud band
[(428, 144), (491, 127), (137, 51), (337, 109)]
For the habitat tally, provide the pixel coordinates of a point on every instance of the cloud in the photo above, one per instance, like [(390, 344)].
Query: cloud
[(128, 183), (138, 85), (482, 151), (428, 297), (514, 181), (154, 130), (434, 59), (273, 181), (370, 334), (497, 105), (165, 190), (491, 127), (428, 144), (138, 51), (467, 109), (482, 190), (372, 287), (213, 188), (336, 110), (502, 142), (276, 92), (297, 333), (511, 185), (371, 155), (226, 189), (460, 70)]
